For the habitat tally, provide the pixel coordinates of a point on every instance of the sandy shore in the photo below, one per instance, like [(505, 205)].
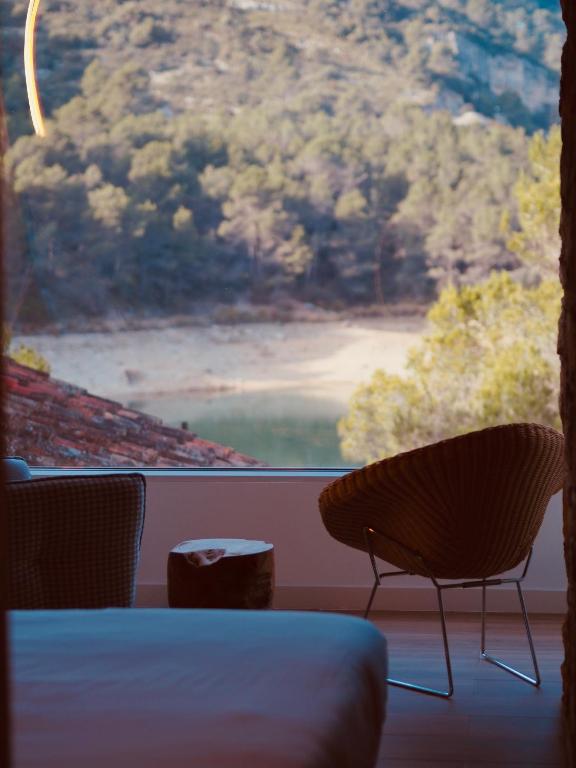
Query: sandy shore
[(334, 356)]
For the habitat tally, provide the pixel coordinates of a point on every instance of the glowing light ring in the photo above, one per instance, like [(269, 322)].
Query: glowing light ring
[(30, 69)]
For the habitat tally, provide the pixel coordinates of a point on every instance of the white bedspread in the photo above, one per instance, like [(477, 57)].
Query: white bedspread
[(201, 689)]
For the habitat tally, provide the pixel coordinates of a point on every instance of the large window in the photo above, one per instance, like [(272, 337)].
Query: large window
[(302, 233)]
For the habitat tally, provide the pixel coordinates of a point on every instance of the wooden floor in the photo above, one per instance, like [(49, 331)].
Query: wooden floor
[(493, 719)]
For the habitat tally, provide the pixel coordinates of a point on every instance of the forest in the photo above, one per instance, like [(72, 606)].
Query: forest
[(489, 354), (338, 152)]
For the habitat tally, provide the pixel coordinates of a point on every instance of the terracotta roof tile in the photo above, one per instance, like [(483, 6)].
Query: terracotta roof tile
[(53, 423)]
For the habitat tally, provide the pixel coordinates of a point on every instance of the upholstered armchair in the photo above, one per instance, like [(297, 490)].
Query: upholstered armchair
[(74, 541)]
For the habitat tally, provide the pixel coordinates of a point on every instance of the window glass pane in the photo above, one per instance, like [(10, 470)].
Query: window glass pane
[(317, 231)]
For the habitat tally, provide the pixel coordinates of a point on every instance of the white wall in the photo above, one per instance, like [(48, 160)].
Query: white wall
[(313, 570)]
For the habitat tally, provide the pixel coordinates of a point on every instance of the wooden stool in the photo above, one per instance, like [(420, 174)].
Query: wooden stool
[(221, 573)]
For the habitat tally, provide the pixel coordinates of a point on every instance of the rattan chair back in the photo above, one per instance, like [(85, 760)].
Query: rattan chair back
[(470, 506)]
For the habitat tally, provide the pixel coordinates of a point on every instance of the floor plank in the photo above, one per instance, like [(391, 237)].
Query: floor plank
[(493, 718)]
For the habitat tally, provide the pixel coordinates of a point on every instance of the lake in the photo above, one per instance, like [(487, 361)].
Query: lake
[(273, 391), (284, 428)]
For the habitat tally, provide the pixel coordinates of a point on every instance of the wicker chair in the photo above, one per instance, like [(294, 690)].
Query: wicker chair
[(465, 509), (74, 541)]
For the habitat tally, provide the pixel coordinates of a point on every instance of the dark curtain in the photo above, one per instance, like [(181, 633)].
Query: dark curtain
[(4, 679), (567, 349)]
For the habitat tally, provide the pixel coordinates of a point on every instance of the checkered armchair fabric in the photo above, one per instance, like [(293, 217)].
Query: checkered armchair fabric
[(75, 541)]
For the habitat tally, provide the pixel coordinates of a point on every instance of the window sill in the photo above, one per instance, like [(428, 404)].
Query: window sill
[(187, 473)]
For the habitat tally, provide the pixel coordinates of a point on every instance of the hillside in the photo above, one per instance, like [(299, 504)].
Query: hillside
[(337, 152), (499, 58)]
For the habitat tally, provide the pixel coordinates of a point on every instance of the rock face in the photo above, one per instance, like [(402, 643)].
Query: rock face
[(567, 348), (506, 72)]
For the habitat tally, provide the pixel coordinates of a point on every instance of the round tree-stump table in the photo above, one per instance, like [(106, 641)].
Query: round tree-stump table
[(221, 573)]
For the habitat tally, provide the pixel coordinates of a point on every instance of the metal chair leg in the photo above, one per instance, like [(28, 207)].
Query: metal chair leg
[(536, 680), (413, 686), (374, 588), (484, 583), (423, 688), (377, 581)]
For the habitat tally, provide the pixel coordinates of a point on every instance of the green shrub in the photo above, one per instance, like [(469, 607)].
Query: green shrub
[(488, 358)]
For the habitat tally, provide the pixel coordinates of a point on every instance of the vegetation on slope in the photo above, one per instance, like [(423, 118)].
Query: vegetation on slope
[(337, 152), (489, 356)]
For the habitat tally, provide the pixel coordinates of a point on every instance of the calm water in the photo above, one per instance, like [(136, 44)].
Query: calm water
[(283, 428)]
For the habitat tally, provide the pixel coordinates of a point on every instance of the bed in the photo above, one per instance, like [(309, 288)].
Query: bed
[(210, 689)]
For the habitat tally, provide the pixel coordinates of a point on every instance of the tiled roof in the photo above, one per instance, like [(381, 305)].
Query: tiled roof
[(52, 423)]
